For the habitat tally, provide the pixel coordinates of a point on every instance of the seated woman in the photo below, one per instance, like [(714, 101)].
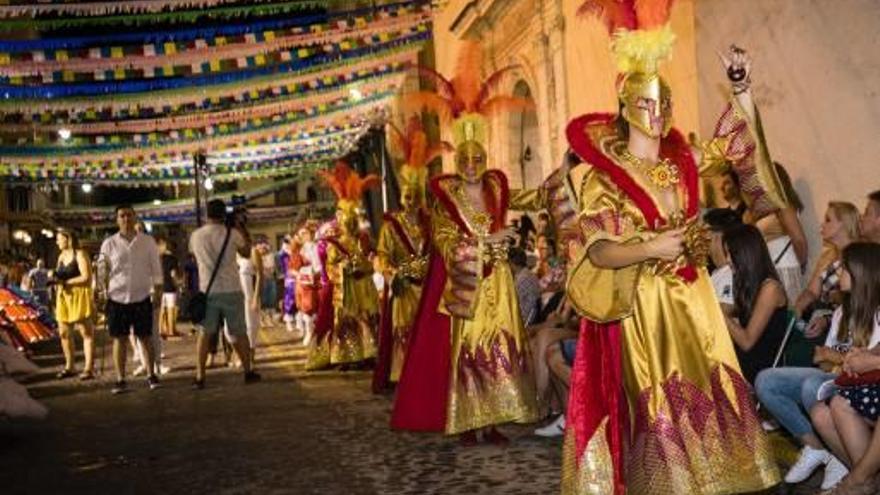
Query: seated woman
[(816, 303), (846, 423), (550, 270), (759, 316), (788, 392), (560, 325)]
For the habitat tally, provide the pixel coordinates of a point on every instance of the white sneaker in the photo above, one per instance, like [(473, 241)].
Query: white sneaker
[(554, 429), (808, 461), (140, 370), (769, 425), (835, 471)]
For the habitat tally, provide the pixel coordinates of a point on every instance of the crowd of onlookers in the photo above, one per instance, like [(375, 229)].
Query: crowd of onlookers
[(806, 343)]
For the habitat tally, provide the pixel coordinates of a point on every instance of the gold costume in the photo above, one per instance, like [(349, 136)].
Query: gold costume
[(490, 381), (404, 258), (693, 427)]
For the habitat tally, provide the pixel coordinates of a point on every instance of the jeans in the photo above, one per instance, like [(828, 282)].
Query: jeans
[(789, 393)]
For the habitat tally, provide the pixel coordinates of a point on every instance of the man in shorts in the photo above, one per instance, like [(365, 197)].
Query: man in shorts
[(225, 301), (133, 277)]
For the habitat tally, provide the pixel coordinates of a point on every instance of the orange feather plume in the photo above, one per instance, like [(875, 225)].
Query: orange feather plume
[(346, 183), (465, 92), (411, 146), (629, 15)]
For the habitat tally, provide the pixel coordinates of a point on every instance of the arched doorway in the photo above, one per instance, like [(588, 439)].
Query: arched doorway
[(525, 142)]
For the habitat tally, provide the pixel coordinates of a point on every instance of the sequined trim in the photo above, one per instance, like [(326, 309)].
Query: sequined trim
[(594, 474)]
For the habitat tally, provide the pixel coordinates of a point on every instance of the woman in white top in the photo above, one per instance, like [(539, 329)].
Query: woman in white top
[(845, 423), (250, 272)]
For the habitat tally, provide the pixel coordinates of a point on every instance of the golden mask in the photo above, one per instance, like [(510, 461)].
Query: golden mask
[(470, 160), (647, 103), (347, 218)]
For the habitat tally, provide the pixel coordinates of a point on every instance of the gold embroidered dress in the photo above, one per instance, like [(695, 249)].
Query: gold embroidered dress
[(490, 381), (401, 251), (693, 428)]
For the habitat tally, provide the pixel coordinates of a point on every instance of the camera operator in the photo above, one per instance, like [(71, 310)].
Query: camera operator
[(225, 300)]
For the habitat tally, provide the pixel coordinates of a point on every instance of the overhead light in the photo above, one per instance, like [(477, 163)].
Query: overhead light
[(157, 202), (148, 226), (87, 187), (47, 233), (356, 94), (209, 184), (64, 133)]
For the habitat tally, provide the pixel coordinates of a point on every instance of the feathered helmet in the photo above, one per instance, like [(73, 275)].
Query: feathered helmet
[(411, 147), (347, 185), (466, 101), (641, 39)]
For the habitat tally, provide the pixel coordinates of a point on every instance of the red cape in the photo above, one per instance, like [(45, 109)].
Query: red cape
[(423, 389)]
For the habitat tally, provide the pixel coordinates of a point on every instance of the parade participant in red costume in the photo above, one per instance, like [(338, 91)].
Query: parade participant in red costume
[(467, 367), (403, 250), (658, 403)]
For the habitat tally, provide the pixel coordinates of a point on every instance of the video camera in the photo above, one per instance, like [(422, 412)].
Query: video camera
[(236, 211)]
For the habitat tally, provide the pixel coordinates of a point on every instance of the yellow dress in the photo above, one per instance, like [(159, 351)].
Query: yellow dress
[(401, 251), (352, 338), (693, 426), (490, 379)]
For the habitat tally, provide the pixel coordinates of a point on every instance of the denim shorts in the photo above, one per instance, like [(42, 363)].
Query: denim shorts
[(569, 348), (228, 307)]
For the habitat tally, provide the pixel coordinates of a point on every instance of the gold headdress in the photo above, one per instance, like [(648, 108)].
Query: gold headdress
[(641, 39), (347, 185), (466, 101), (411, 147)]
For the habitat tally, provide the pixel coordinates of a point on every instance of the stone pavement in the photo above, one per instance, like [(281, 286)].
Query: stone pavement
[(293, 433)]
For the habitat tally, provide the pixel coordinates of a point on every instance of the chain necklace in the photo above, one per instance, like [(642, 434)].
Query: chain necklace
[(663, 174)]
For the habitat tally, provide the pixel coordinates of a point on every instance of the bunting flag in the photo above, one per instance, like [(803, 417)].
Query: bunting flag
[(260, 92)]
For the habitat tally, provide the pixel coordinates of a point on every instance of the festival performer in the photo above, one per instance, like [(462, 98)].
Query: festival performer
[(467, 366), (288, 276), (403, 250), (351, 338), (307, 281), (653, 327)]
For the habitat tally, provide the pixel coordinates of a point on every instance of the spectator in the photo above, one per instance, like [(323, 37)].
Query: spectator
[(870, 221), (74, 303), (731, 194), (550, 270), (38, 283), (759, 316), (250, 272), (225, 301), (133, 275), (815, 304), (719, 220), (790, 392), (544, 227), (528, 288), (846, 423), (786, 240), (560, 325), (560, 359), (268, 293), (170, 279)]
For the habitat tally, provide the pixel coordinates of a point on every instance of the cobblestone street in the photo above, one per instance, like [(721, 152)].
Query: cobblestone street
[(293, 433)]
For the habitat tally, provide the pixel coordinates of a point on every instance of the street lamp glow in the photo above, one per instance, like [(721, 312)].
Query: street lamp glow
[(64, 133), (209, 184), (87, 187)]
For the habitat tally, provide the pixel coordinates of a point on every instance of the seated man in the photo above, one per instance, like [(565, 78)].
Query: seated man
[(559, 358)]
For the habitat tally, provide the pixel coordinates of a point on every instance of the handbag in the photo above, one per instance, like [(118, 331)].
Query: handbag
[(869, 378), (197, 307)]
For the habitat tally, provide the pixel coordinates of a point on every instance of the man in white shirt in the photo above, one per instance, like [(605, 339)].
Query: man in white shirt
[(225, 301), (133, 277)]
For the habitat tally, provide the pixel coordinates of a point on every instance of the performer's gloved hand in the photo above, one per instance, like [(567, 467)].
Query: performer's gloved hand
[(738, 65)]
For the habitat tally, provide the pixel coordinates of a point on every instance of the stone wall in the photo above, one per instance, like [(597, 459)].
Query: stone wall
[(815, 79)]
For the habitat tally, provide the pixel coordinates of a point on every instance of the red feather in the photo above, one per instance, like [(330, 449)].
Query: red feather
[(615, 14)]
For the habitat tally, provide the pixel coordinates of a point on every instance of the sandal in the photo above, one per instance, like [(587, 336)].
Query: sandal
[(65, 374), (86, 376)]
